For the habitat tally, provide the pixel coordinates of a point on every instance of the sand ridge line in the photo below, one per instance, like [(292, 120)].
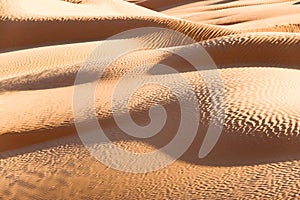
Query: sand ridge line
[(41, 157), (227, 51)]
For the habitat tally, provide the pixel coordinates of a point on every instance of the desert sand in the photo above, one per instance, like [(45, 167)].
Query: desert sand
[(253, 43)]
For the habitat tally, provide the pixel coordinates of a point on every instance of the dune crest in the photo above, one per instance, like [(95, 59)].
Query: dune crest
[(45, 42)]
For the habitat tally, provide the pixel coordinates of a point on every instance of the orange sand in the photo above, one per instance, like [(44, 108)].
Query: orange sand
[(251, 42)]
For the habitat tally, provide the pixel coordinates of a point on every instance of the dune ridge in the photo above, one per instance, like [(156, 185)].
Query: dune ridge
[(58, 32), (241, 15), (39, 30), (41, 156)]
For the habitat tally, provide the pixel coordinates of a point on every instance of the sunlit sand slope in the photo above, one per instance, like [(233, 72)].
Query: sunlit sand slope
[(257, 155)]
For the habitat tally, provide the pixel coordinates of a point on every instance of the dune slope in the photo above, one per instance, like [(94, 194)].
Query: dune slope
[(41, 155)]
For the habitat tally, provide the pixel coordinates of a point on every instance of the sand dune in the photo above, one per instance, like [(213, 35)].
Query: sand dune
[(42, 156), (53, 27), (271, 15)]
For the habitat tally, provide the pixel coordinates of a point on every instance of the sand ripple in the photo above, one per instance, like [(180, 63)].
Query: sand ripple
[(256, 54)]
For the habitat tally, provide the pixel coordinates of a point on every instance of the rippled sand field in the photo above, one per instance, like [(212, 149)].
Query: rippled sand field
[(254, 45)]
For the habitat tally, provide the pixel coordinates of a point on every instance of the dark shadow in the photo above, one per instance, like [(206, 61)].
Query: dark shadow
[(18, 35), (232, 23), (234, 148), (169, 4), (223, 2)]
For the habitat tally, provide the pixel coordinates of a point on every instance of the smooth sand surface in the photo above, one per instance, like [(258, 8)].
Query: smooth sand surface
[(44, 44)]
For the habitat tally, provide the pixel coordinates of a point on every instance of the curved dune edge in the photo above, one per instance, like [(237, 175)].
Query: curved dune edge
[(241, 15), (60, 28), (292, 28), (23, 70), (42, 157), (69, 171), (36, 83), (50, 32), (40, 30)]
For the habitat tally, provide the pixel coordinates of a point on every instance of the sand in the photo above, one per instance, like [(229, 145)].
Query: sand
[(254, 44)]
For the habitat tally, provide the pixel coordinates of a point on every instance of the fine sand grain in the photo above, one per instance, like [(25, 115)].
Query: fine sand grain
[(255, 46)]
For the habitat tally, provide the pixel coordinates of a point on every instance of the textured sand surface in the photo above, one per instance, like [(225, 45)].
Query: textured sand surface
[(255, 45)]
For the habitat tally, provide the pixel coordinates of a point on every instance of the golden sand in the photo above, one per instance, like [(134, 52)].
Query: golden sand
[(255, 45)]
